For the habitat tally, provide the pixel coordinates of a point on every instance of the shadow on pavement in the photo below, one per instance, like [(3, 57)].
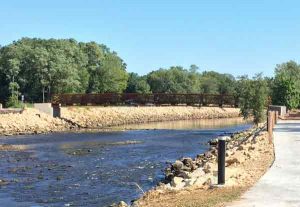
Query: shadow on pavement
[(287, 127)]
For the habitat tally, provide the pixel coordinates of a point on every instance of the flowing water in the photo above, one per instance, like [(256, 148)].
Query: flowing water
[(99, 168)]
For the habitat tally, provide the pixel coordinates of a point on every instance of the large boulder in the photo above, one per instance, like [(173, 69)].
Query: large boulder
[(197, 173), (177, 166)]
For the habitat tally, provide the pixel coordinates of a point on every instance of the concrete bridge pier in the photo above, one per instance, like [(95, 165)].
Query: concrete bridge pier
[(53, 110), (56, 110)]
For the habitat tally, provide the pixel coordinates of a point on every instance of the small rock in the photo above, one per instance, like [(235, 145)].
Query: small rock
[(183, 174), (208, 182), (226, 138), (197, 173), (177, 182), (189, 182), (213, 142), (187, 162), (207, 168), (232, 161), (177, 165), (208, 154), (120, 204), (200, 156), (200, 181)]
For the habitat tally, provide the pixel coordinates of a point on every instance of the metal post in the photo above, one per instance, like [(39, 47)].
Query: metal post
[(221, 161)]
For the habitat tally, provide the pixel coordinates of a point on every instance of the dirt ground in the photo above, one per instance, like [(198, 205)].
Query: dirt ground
[(244, 167)]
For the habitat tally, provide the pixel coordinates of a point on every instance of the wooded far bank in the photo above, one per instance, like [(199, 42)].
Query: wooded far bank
[(38, 68)]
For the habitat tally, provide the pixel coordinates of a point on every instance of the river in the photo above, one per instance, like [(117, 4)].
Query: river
[(94, 168)]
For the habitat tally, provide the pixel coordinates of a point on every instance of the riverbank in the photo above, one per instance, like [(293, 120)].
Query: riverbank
[(32, 121), (100, 117), (190, 182)]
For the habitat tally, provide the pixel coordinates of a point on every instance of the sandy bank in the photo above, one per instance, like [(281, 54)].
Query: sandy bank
[(99, 117)]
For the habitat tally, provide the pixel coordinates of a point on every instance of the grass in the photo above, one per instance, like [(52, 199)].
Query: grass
[(216, 197)]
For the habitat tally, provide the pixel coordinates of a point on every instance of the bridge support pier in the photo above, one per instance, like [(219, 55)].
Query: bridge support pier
[(56, 110), (53, 110)]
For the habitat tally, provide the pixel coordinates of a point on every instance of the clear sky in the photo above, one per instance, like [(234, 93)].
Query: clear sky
[(228, 36)]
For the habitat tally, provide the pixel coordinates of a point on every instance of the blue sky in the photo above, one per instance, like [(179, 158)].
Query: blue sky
[(228, 36)]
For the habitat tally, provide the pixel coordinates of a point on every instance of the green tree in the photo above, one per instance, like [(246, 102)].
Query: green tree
[(174, 80), (245, 94), (13, 100), (260, 98), (253, 94), (286, 87), (137, 84), (111, 75), (217, 83), (42, 67)]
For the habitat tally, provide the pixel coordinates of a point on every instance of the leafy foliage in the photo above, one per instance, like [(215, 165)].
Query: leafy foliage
[(179, 80), (38, 68), (253, 94), (216, 83), (137, 84), (286, 87), (42, 67)]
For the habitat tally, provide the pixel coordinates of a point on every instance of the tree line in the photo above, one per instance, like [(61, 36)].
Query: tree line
[(38, 68)]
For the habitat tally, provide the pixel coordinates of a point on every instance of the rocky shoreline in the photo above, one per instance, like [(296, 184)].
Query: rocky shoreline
[(100, 117), (244, 151), (201, 171), (32, 121)]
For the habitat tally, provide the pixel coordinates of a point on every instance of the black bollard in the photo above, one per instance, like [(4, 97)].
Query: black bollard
[(221, 161)]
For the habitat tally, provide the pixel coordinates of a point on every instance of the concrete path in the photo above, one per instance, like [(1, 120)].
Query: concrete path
[(280, 186)]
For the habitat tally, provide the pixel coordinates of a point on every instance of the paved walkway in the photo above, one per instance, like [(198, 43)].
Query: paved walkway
[(280, 186)]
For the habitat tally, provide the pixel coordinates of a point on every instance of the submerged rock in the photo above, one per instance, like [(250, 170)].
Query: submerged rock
[(120, 204)]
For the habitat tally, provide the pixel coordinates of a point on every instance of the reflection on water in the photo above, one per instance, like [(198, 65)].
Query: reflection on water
[(186, 124), (99, 168)]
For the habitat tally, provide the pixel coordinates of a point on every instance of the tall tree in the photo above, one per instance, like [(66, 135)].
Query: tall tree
[(253, 94), (286, 87), (137, 84), (174, 80), (38, 68)]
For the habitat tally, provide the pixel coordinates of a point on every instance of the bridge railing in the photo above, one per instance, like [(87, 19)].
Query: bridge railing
[(143, 99)]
